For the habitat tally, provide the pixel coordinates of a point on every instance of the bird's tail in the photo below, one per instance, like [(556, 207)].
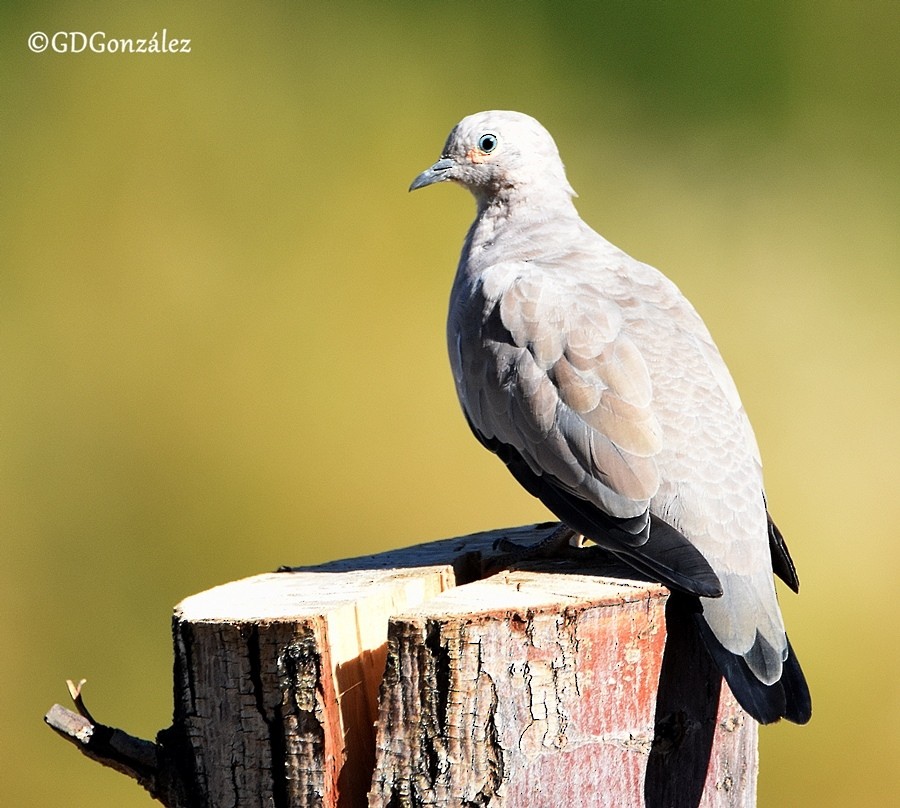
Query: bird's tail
[(787, 698)]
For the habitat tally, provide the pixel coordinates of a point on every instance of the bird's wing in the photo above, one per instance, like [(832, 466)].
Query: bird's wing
[(556, 378), (782, 563)]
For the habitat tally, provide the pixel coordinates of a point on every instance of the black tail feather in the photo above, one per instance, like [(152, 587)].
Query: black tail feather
[(787, 698), (796, 691)]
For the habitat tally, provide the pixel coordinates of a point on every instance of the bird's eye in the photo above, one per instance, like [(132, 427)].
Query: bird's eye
[(487, 143)]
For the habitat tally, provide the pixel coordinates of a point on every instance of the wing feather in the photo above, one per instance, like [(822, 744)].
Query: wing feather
[(577, 402)]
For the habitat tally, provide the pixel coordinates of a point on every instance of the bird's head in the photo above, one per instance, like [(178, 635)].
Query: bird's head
[(500, 155)]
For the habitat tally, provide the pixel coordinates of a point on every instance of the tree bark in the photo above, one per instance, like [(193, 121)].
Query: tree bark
[(536, 689)]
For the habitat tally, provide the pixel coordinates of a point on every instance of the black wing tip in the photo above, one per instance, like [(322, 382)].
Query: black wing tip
[(679, 563), (782, 563), (711, 588), (788, 698), (696, 581), (650, 545)]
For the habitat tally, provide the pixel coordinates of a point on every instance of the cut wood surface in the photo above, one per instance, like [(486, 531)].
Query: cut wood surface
[(408, 679), (287, 667)]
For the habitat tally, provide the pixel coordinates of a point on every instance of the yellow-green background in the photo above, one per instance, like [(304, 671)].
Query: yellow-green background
[(221, 316)]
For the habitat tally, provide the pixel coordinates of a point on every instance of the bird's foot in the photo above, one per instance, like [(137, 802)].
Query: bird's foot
[(562, 543)]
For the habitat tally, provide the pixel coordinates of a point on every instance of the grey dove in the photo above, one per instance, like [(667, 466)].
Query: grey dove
[(594, 379)]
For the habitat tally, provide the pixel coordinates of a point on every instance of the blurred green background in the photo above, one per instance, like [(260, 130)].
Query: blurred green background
[(222, 316)]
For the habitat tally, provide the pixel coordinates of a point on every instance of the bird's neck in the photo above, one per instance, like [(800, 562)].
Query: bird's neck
[(517, 225), (515, 211), (526, 203)]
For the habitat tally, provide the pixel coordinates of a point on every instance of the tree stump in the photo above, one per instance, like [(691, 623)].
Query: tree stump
[(409, 678)]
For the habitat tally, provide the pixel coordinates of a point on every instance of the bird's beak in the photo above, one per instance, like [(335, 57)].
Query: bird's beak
[(439, 172)]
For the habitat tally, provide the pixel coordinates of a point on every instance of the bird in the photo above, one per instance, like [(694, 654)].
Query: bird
[(594, 379)]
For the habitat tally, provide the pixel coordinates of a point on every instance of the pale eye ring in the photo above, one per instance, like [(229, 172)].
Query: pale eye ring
[(487, 142)]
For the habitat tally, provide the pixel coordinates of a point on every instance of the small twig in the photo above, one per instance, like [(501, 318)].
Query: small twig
[(142, 760), (107, 745), (75, 693)]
